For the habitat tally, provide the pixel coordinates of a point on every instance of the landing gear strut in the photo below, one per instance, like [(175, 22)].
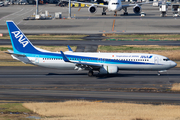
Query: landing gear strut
[(90, 73), (104, 11), (115, 13), (125, 11)]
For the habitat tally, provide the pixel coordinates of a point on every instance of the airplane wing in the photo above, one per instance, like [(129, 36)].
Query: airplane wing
[(98, 5), (79, 63), (130, 5)]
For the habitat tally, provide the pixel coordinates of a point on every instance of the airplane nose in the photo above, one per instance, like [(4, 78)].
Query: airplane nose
[(173, 64), (113, 8)]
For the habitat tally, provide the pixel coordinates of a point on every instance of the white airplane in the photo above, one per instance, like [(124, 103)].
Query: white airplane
[(105, 63), (114, 5)]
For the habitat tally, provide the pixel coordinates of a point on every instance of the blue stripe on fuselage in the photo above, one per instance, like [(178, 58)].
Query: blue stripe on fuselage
[(85, 59)]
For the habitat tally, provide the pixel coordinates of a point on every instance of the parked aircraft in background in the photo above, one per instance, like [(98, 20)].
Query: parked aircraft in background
[(115, 6), (105, 63), (1, 4)]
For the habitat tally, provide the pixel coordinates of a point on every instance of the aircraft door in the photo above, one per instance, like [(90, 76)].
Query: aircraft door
[(37, 59), (156, 60)]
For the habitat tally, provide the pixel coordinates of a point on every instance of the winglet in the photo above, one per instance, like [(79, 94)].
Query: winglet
[(64, 57), (70, 48)]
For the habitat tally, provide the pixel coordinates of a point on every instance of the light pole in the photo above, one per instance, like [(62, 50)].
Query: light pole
[(36, 7), (69, 15)]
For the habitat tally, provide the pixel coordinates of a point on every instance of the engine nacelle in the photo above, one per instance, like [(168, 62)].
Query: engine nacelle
[(137, 9), (92, 9), (110, 69)]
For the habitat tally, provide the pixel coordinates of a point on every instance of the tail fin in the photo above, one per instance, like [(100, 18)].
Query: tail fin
[(19, 41)]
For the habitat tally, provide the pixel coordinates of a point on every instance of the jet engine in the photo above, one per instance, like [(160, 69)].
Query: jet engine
[(92, 9), (137, 9), (110, 69)]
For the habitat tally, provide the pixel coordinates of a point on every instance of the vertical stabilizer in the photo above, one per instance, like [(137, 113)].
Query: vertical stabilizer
[(19, 41)]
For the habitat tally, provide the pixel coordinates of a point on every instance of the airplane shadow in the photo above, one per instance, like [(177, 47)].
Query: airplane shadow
[(130, 15), (67, 74), (98, 76), (135, 75)]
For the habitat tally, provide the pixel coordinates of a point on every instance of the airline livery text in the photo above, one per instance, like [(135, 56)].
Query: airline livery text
[(23, 41)]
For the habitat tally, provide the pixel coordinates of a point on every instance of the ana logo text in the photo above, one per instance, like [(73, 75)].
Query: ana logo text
[(146, 56), (23, 41)]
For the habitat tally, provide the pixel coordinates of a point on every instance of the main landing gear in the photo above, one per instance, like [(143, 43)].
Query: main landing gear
[(125, 11), (104, 11), (90, 73)]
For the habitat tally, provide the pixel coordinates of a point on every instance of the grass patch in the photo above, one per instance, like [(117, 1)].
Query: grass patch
[(176, 87), (178, 63), (17, 63), (14, 111), (137, 48), (85, 110), (5, 48), (13, 107), (143, 36)]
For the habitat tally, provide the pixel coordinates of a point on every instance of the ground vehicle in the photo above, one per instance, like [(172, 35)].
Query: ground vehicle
[(143, 14)]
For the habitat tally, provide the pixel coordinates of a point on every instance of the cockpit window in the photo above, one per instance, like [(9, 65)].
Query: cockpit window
[(115, 3), (166, 59)]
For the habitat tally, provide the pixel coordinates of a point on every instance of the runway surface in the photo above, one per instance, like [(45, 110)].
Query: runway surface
[(85, 23), (43, 84)]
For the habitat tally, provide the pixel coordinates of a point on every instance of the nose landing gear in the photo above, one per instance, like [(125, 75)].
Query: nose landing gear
[(115, 13)]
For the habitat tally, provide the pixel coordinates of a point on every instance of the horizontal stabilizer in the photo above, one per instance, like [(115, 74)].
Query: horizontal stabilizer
[(12, 53)]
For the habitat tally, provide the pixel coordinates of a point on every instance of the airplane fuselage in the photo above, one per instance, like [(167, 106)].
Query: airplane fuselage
[(124, 61)]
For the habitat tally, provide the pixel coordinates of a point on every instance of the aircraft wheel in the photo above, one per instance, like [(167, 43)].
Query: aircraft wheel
[(90, 73), (126, 13), (103, 13)]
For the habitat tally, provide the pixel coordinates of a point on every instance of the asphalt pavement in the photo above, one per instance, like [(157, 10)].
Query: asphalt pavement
[(44, 84), (85, 23)]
